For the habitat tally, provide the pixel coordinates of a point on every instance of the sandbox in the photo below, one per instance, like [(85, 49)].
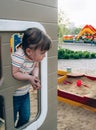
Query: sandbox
[(77, 89)]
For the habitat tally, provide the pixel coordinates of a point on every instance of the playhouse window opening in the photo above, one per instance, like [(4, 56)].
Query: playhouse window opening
[(15, 41)]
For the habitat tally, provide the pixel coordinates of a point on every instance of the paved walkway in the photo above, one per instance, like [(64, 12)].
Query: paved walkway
[(79, 46), (85, 66)]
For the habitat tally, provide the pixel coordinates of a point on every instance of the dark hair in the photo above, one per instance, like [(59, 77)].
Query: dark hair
[(34, 38)]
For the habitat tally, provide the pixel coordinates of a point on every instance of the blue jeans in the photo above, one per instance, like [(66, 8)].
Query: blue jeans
[(21, 105)]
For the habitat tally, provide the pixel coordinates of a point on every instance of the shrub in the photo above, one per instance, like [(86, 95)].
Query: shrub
[(80, 54), (61, 54), (66, 56), (93, 55), (76, 56), (86, 54), (72, 56), (69, 54)]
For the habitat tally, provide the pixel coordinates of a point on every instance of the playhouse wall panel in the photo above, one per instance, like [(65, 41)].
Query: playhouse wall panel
[(7, 97), (54, 50), (17, 10), (51, 3), (10, 120), (51, 29), (6, 54), (44, 12), (52, 64)]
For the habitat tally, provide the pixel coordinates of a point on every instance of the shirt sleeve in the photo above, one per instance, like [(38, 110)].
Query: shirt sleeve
[(17, 59)]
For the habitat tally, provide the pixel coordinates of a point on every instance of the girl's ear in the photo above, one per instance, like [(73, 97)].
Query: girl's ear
[(28, 51)]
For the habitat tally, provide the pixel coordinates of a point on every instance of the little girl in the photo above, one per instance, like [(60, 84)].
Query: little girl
[(25, 66)]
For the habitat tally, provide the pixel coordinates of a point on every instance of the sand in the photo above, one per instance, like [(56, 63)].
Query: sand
[(80, 86), (74, 118)]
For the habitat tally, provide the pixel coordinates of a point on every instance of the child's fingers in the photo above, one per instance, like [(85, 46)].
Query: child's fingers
[(36, 85), (37, 80)]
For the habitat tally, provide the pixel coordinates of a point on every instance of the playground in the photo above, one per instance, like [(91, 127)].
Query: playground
[(70, 116), (86, 35)]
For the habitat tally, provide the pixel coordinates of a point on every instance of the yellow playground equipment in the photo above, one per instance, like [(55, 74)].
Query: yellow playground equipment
[(62, 75)]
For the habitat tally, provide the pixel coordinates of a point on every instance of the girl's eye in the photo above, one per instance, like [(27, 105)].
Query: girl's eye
[(42, 52)]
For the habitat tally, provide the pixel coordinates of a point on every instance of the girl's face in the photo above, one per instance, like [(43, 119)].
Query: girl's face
[(35, 55)]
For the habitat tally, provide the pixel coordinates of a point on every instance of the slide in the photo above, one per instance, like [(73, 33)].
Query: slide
[(88, 29)]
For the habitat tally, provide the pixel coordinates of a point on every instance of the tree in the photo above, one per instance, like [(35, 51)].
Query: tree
[(63, 22), (65, 27)]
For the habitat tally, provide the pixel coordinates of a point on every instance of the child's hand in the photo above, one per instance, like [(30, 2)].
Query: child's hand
[(35, 82)]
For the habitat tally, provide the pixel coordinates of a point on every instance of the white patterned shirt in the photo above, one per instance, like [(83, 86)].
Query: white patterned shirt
[(20, 60)]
